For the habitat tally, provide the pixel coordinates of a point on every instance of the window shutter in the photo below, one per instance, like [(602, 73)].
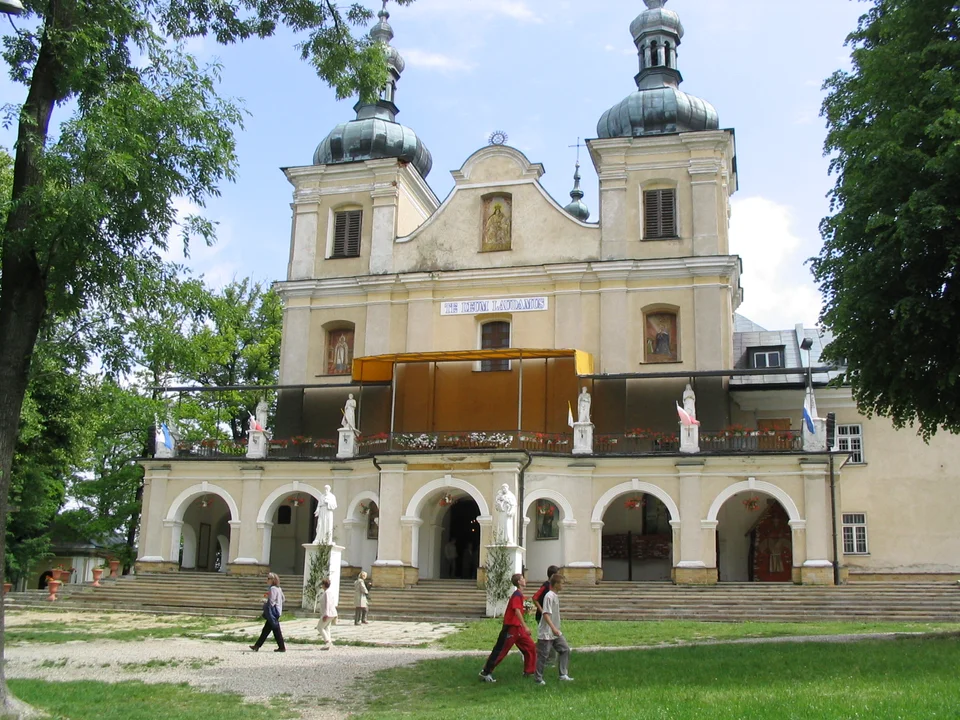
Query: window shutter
[(346, 233), (659, 214)]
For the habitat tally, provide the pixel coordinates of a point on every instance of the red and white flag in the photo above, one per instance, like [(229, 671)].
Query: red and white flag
[(685, 418)]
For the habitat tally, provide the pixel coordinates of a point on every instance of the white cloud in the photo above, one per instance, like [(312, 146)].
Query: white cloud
[(436, 61), (514, 9), (778, 288)]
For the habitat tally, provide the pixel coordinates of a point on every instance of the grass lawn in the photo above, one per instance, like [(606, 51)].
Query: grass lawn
[(905, 678), (482, 634), (58, 632), (134, 700)]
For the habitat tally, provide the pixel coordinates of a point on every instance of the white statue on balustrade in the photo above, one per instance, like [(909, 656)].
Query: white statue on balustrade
[(326, 504), (583, 406), (506, 505), (689, 425), (348, 431), (583, 427), (350, 414), (257, 434)]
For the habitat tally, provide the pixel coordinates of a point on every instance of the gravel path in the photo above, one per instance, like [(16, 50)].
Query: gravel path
[(318, 682)]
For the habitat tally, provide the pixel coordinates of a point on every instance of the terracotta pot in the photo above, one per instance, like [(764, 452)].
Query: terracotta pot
[(53, 586), (7, 587), (55, 574), (97, 574), (65, 576), (114, 564)]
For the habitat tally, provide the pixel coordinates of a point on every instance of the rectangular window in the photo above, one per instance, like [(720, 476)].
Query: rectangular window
[(766, 358), (659, 214), (855, 534), (346, 233), (850, 439), (494, 335)]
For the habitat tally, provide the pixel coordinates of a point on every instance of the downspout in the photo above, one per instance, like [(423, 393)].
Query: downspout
[(521, 492), (833, 515)]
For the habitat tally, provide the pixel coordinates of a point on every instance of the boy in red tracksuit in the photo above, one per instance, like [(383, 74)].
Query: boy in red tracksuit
[(513, 632)]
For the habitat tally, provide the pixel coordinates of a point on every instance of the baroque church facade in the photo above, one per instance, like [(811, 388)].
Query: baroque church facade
[(434, 352)]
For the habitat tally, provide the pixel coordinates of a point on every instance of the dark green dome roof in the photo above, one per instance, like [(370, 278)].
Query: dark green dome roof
[(657, 111)]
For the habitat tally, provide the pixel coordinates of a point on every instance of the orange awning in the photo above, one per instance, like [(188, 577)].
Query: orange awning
[(379, 368)]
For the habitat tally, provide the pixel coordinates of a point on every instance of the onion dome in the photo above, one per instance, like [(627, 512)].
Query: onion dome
[(658, 106), (577, 208), (375, 133)]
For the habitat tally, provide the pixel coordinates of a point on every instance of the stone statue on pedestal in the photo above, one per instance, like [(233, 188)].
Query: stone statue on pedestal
[(583, 406), (583, 428), (257, 434), (506, 505), (690, 433), (350, 414), (326, 504)]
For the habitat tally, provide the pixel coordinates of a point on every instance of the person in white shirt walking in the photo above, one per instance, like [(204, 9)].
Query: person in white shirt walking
[(328, 606), (549, 636)]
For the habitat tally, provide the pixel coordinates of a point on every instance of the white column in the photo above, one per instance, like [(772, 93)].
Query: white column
[(155, 508), (171, 531), (815, 505), (691, 532), (391, 508), (266, 533), (249, 549)]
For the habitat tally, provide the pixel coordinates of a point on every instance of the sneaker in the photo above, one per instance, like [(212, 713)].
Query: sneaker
[(486, 678), (540, 682), (566, 678)]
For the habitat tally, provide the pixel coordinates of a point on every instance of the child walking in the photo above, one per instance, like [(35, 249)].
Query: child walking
[(513, 632), (549, 636)]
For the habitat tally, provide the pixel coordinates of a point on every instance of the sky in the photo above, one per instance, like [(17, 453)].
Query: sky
[(544, 71)]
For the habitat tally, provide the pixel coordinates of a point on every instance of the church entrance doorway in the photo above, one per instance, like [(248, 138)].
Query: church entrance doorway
[(637, 540), (293, 525), (460, 533), (205, 519), (754, 540)]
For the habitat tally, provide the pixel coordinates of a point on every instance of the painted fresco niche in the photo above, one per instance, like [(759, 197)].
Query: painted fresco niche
[(497, 222), (660, 336), (339, 350)]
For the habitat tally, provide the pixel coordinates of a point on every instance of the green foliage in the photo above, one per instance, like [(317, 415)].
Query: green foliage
[(881, 680), (891, 250), (499, 570), (319, 571)]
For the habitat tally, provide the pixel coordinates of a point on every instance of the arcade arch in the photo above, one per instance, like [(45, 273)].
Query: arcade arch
[(196, 517)]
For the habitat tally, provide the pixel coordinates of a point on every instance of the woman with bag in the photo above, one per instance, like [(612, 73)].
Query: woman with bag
[(360, 601), (272, 609)]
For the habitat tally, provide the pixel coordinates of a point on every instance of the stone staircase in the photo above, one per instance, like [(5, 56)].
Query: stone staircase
[(458, 600)]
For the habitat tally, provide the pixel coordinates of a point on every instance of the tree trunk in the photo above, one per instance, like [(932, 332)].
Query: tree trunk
[(23, 283)]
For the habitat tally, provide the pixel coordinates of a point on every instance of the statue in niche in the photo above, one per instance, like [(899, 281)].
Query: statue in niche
[(326, 504), (506, 505), (583, 406), (497, 222)]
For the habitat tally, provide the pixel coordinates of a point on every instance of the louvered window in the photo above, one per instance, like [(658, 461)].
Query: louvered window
[(346, 233), (659, 214)]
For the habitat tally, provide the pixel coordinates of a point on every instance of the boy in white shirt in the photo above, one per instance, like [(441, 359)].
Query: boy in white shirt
[(549, 635)]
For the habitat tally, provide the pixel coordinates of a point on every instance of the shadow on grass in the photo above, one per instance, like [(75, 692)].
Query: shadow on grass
[(909, 678)]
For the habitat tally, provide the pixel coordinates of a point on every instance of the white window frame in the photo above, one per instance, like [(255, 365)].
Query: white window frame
[(766, 353), (858, 541), (849, 438)]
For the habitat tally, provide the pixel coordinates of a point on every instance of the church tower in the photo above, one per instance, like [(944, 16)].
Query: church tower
[(666, 174)]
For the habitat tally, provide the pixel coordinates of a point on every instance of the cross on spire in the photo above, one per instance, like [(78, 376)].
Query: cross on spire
[(578, 146)]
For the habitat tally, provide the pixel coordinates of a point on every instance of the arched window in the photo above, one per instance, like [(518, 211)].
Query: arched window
[(493, 336), (284, 515), (654, 54), (666, 54)]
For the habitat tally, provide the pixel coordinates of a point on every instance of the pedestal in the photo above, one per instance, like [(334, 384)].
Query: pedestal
[(689, 438), (332, 573), (162, 452), (583, 438), (348, 443), (256, 445), (515, 554), (815, 441)]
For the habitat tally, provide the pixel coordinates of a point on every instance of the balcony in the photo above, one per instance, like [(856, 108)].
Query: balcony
[(635, 442)]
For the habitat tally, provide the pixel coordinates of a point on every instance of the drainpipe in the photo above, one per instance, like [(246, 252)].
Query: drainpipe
[(833, 515), (521, 493)]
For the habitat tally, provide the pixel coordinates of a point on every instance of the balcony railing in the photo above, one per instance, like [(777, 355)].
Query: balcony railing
[(637, 442)]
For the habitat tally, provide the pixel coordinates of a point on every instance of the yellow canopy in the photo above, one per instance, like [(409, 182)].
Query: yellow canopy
[(379, 368)]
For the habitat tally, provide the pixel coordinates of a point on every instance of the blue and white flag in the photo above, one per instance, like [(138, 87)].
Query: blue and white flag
[(167, 437), (808, 421)]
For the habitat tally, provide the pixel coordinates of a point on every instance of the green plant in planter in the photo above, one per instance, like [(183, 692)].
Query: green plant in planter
[(319, 571), (499, 571)]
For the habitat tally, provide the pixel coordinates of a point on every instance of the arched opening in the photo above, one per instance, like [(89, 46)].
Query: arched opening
[(637, 539), (654, 54), (460, 533), (754, 540), (205, 518), (293, 524), (543, 538)]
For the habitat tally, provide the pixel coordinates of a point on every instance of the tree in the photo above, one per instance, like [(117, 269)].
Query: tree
[(93, 202), (889, 263)]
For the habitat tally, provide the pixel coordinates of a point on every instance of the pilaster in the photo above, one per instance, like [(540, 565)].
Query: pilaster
[(391, 509), (817, 569), (155, 502)]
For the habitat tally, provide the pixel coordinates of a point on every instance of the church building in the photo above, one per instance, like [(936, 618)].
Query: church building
[(590, 360)]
